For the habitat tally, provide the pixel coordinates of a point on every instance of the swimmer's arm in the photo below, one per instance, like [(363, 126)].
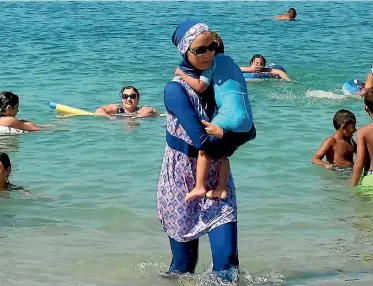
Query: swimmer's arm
[(360, 158), (18, 124), (280, 73), (196, 84), (248, 69), (326, 146), (19, 189), (107, 110), (361, 93), (282, 17), (368, 81)]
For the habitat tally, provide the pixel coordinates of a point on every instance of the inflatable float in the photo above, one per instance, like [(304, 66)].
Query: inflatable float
[(61, 108), (352, 87), (263, 75)]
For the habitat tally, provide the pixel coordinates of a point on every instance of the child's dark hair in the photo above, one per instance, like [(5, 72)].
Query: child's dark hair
[(343, 116), (368, 99), (293, 11), (4, 159), (7, 98), (129, 87), (258, 56), (217, 38)]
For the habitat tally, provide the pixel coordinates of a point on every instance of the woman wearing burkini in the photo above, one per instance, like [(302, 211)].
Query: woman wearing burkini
[(184, 222)]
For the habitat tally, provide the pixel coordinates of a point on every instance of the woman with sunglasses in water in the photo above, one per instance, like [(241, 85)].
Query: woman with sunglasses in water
[(129, 107)]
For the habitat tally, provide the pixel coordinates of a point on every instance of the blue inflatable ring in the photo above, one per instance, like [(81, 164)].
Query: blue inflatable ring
[(352, 87), (263, 75)]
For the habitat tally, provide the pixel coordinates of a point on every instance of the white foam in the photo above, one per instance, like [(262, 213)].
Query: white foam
[(325, 94)]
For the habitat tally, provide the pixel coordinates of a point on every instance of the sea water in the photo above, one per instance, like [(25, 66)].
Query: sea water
[(92, 217)]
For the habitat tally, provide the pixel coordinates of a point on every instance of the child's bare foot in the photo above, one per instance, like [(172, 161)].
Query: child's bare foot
[(195, 193), (220, 193)]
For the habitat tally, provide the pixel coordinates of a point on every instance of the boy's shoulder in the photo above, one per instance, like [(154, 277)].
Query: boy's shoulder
[(331, 140)]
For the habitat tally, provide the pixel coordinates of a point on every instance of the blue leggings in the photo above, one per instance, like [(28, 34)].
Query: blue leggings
[(223, 242)]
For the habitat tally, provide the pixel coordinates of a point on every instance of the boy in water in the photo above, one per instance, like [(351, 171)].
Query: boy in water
[(364, 137), (289, 16), (234, 114), (339, 149)]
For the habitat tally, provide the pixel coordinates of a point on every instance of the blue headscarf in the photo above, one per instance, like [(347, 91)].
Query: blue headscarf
[(183, 36)]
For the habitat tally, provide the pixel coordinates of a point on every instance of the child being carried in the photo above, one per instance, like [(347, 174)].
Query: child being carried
[(234, 114)]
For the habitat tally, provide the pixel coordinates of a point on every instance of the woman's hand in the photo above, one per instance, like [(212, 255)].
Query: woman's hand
[(147, 111), (213, 129)]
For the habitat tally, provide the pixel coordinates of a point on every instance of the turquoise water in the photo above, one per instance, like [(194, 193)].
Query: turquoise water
[(92, 219)]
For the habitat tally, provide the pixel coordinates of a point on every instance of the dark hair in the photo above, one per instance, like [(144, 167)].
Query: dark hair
[(368, 99), (8, 98), (292, 10), (129, 87), (4, 159), (217, 38), (343, 116), (258, 56)]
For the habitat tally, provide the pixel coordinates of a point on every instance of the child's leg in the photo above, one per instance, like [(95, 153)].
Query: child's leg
[(221, 189), (203, 166)]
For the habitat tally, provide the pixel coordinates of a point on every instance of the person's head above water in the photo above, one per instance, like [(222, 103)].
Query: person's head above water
[(292, 13), (258, 61), (5, 166), (368, 100), (195, 43), (9, 103), (345, 121), (130, 97)]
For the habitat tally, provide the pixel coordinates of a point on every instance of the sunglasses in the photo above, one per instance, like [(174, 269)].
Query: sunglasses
[(201, 50), (131, 96)]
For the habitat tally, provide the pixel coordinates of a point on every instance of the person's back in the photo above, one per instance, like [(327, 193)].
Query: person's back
[(231, 94), (342, 153), (339, 148)]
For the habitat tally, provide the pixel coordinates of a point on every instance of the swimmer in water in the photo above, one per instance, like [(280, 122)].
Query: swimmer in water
[(289, 16), (5, 170), (339, 148), (257, 65), (364, 138), (9, 107)]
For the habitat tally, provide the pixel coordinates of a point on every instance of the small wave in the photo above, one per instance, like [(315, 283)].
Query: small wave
[(325, 94)]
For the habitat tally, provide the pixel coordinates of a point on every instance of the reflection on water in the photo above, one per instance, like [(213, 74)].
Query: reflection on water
[(9, 143)]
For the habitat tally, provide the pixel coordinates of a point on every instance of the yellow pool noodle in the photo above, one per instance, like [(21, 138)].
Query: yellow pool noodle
[(69, 110)]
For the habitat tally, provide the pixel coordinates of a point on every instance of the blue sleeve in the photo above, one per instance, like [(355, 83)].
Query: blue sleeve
[(177, 103), (206, 76)]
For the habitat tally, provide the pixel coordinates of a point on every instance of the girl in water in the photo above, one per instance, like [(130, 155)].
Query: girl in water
[(9, 106), (257, 65)]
